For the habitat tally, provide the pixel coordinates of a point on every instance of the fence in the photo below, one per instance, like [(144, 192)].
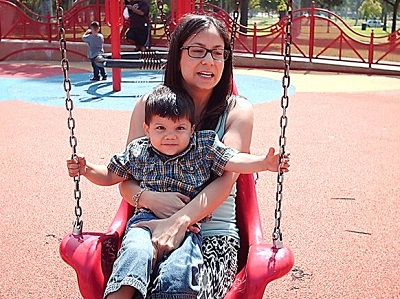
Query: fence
[(317, 33)]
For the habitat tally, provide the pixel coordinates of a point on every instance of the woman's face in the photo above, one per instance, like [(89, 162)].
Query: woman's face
[(202, 74)]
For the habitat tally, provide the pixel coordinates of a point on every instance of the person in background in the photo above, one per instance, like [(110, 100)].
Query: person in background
[(46, 8), (138, 31), (95, 41)]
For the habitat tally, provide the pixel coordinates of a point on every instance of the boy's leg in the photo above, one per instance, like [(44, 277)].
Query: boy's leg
[(178, 273), (133, 265), (96, 69), (103, 73)]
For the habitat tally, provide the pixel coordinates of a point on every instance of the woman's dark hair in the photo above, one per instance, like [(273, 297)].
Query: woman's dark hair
[(191, 24), (169, 102)]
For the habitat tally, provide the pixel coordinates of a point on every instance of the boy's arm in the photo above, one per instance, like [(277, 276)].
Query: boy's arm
[(86, 35), (246, 163), (97, 174)]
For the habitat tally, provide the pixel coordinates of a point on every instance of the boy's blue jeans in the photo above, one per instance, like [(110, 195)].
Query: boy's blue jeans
[(174, 277), (97, 69)]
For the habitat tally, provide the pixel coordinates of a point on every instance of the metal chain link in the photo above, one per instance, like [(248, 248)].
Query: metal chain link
[(235, 25), (167, 29), (69, 105), (277, 234)]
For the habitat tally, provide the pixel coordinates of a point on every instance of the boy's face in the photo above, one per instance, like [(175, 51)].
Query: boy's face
[(167, 136)]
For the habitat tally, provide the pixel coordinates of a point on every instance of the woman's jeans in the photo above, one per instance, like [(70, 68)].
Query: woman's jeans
[(176, 276)]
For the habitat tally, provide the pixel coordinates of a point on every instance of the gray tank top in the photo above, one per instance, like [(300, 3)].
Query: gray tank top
[(223, 221)]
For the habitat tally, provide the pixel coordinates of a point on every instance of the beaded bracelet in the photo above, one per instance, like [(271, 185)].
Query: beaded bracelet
[(136, 197)]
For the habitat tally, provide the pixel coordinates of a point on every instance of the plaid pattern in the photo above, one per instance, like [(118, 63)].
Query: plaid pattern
[(187, 172)]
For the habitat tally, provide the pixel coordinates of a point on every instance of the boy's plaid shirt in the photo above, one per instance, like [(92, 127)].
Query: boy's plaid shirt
[(186, 173)]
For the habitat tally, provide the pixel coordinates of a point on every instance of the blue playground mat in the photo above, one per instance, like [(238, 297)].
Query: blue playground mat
[(100, 94)]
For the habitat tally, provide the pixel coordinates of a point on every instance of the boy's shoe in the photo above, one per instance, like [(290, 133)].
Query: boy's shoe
[(104, 78), (95, 79)]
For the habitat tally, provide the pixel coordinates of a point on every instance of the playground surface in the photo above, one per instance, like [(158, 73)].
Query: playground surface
[(341, 196)]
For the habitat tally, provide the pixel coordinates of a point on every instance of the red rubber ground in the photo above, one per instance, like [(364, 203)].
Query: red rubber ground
[(341, 197)]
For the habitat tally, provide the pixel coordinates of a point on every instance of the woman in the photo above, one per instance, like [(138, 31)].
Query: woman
[(200, 61)]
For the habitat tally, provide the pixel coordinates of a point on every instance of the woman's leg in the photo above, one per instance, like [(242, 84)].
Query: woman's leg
[(220, 254)]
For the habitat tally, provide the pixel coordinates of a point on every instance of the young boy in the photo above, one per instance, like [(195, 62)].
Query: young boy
[(171, 158), (95, 41)]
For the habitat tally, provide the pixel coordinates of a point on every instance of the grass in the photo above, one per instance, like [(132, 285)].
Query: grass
[(264, 22)]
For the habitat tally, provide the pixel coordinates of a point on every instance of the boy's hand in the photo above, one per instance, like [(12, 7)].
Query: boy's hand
[(76, 166), (272, 161)]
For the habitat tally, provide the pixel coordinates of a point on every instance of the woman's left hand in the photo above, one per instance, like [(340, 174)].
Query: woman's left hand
[(167, 234)]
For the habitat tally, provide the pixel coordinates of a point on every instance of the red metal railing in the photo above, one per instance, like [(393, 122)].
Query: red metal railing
[(317, 33)]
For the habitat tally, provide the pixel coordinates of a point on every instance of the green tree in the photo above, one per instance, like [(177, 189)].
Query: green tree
[(244, 14), (370, 8), (328, 4), (281, 8), (395, 5), (269, 5)]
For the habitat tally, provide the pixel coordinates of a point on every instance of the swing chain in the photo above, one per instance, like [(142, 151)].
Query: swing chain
[(167, 30), (235, 23), (69, 105), (277, 234)]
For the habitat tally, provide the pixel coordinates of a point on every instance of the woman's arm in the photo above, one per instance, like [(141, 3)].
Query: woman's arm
[(137, 119)]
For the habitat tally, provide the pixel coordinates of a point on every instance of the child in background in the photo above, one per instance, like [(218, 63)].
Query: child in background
[(95, 41)]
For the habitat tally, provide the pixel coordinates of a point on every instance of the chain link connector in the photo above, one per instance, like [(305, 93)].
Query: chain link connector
[(277, 240), (77, 227)]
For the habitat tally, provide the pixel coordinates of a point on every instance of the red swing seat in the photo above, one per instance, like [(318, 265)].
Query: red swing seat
[(92, 254)]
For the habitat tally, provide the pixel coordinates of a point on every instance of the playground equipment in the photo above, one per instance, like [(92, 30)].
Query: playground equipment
[(148, 60), (92, 254), (143, 60)]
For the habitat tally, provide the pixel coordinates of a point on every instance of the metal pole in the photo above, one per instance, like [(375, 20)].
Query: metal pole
[(114, 18)]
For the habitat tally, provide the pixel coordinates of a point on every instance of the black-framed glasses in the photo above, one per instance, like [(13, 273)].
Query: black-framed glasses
[(201, 52)]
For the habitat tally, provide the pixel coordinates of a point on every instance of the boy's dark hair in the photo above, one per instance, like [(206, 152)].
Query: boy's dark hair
[(95, 25), (169, 102)]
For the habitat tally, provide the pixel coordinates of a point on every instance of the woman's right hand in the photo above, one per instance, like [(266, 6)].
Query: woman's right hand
[(165, 204), (162, 204)]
